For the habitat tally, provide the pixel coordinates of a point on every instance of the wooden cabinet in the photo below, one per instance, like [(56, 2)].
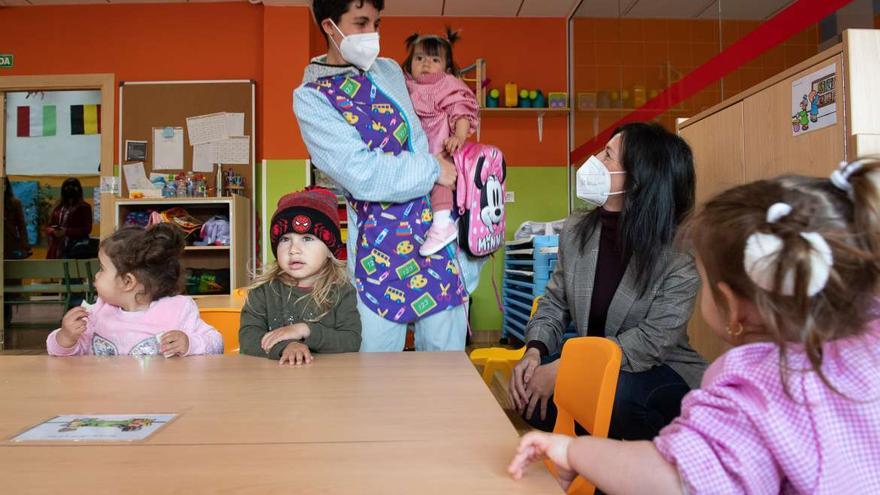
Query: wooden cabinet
[(230, 261), (749, 136)]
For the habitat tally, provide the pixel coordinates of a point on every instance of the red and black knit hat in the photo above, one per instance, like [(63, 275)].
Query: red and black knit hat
[(312, 211)]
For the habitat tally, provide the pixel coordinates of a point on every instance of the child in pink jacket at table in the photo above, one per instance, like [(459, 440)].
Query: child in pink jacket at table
[(790, 268), (448, 112), (139, 311)]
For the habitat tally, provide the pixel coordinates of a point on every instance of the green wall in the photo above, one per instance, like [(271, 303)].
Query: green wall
[(540, 195), (278, 177)]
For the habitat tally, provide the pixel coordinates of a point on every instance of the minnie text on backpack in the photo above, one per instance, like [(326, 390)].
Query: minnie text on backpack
[(480, 198)]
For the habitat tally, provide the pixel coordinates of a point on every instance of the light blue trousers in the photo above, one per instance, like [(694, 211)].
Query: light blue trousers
[(443, 331)]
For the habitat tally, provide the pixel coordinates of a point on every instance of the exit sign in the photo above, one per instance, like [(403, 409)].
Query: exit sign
[(6, 61)]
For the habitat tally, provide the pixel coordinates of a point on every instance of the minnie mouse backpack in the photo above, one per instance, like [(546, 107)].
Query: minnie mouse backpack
[(479, 198)]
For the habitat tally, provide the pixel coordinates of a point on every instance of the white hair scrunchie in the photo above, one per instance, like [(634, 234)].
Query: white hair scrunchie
[(762, 250), (840, 177)]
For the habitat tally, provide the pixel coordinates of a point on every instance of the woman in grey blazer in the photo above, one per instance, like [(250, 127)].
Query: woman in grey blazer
[(620, 276)]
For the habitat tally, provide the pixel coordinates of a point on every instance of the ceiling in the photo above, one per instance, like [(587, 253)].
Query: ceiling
[(682, 9), (678, 9)]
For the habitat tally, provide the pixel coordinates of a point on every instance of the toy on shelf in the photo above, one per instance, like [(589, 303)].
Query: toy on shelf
[(615, 99), (586, 101), (558, 99), (624, 99), (538, 100), (640, 96), (492, 98), (510, 95), (524, 101)]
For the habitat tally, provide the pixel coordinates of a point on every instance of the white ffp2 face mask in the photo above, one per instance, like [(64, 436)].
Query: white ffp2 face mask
[(594, 182), (359, 50)]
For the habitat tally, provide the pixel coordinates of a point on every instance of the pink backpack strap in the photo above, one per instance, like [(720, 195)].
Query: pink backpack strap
[(461, 180)]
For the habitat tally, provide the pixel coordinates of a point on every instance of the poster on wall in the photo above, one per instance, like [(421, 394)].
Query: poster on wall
[(813, 105), (53, 132)]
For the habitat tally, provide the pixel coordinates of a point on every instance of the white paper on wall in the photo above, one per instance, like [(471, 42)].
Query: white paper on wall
[(207, 128), (235, 150), (204, 157), (135, 177), (167, 151), (234, 124), (62, 154)]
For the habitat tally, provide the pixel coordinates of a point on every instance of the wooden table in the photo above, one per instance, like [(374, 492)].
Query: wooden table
[(349, 423)]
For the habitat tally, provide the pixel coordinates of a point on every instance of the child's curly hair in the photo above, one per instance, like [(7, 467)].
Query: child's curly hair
[(152, 255), (433, 45)]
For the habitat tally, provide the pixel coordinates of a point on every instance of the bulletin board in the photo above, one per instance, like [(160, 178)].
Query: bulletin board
[(146, 105)]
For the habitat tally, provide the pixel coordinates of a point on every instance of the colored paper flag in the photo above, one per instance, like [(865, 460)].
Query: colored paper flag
[(36, 121), (85, 119)]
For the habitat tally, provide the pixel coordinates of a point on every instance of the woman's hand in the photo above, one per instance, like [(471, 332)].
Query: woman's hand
[(295, 354), (448, 173), (72, 326), (536, 446), (521, 374), (174, 343), (540, 387), (297, 331)]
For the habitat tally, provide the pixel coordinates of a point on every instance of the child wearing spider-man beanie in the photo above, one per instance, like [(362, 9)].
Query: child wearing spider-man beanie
[(311, 211)]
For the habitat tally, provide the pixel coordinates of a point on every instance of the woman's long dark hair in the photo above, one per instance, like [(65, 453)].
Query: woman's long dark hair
[(659, 194), (71, 192), (8, 195)]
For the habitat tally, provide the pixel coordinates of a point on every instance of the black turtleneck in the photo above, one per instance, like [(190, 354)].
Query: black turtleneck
[(610, 266)]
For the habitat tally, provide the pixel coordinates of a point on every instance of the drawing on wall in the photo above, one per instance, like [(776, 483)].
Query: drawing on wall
[(813, 104)]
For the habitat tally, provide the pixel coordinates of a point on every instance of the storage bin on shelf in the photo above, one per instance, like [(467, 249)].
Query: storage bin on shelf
[(528, 264)]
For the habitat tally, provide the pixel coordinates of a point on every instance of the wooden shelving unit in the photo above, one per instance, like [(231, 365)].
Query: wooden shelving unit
[(233, 258)]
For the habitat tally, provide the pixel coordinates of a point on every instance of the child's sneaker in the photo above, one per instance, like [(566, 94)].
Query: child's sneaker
[(438, 238)]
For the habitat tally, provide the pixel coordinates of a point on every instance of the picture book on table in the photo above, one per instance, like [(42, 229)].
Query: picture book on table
[(96, 428)]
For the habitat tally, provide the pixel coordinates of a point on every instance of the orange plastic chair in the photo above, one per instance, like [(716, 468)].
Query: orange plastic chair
[(495, 359), (586, 384), (227, 322)]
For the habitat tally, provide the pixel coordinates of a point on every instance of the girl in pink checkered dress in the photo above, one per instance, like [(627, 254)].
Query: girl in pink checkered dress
[(448, 112), (790, 269)]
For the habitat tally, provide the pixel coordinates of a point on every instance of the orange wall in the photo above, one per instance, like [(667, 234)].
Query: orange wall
[(136, 42), (528, 51), (285, 54), (272, 45), (317, 43)]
